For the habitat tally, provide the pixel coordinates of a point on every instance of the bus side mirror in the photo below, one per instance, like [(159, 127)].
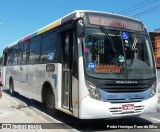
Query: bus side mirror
[(80, 30), (80, 26)]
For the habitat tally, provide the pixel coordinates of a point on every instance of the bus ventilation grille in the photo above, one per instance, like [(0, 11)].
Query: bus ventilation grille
[(124, 88), (119, 111)]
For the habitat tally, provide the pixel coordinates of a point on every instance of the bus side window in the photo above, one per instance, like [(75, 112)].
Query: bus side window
[(10, 57), (15, 54), (48, 47), (34, 56), (5, 59), (20, 55), (25, 52)]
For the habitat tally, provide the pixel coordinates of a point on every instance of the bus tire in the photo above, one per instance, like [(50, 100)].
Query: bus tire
[(11, 88), (50, 102)]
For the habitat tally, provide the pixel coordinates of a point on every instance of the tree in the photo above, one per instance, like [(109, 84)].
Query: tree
[(0, 60)]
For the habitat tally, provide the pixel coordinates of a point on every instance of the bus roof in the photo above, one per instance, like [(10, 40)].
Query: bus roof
[(60, 21)]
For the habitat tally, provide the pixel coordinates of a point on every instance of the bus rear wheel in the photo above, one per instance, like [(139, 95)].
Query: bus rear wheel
[(11, 88), (50, 102)]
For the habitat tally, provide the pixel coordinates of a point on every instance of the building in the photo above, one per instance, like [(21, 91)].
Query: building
[(152, 36), (155, 39), (157, 30)]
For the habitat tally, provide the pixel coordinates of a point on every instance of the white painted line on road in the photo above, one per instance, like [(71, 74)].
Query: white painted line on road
[(155, 119)]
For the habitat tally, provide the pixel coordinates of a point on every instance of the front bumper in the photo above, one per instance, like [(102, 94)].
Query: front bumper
[(94, 109)]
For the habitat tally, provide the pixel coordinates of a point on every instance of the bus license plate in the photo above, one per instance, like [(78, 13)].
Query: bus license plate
[(127, 107)]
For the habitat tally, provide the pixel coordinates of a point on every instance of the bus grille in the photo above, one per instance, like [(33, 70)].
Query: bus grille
[(124, 88), (118, 110)]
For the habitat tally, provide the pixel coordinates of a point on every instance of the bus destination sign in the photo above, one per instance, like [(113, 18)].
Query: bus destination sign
[(114, 22)]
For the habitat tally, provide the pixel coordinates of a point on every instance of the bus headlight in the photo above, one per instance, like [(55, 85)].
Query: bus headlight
[(93, 91), (153, 89)]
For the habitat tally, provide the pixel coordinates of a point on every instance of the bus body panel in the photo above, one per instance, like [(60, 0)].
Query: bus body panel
[(59, 86), (75, 96), (83, 91), (29, 82), (3, 70), (8, 75)]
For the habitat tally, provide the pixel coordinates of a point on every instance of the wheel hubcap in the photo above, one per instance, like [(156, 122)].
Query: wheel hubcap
[(50, 101)]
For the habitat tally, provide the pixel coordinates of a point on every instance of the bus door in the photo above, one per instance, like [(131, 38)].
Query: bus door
[(67, 57)]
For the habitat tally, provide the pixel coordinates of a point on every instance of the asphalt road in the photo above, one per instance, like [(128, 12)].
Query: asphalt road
[(30, 111)]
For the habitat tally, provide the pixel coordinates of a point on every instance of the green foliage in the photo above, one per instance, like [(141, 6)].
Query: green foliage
[(0, 60)]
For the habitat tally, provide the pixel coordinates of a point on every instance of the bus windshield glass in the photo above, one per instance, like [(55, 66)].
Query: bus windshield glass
[(113, 54)]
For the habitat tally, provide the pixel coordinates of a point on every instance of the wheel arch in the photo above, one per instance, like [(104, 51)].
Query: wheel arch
[(45, 87)]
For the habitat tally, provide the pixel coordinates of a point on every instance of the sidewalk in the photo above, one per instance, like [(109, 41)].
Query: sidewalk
[(158, 76), (158, 106)]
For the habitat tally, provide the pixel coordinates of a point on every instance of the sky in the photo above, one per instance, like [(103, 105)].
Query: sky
[(18, 18)]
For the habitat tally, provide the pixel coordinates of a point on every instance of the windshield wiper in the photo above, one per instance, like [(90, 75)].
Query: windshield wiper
[(108, 37)]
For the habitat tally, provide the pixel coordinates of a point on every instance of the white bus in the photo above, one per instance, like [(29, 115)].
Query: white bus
[(88, 64)]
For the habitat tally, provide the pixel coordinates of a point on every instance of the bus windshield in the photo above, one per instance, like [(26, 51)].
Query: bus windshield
[(114, 54)]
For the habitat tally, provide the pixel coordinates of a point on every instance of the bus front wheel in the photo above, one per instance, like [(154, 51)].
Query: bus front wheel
[(50, 102), (11, 88)]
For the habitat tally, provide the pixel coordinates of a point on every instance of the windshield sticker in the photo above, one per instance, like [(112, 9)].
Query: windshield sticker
[(101, 68), (50, 56), (121, 58), (126, 41), (125, 35), (91, 65)]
